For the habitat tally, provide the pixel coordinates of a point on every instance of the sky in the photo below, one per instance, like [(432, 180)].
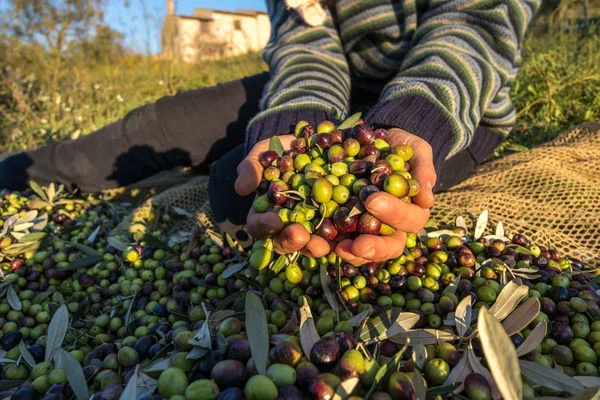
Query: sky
[(141, 20)]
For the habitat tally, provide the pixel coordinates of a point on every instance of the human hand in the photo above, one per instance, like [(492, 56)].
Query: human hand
[(392, 211), (262, 225)]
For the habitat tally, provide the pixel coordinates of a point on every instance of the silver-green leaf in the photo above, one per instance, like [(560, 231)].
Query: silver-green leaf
[(549, 377), (276, 146), (257, 331), (350, 121), (57, 331), (500, 355), (27, 356), (13, 299), (74, 374)]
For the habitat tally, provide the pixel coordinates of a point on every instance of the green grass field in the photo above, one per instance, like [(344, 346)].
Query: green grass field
[(44, 99)]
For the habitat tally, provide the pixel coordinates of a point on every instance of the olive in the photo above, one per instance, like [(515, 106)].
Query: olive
[(477, 387), (325, 353)]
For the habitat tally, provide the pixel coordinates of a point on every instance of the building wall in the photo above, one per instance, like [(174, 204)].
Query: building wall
[(226, 34)]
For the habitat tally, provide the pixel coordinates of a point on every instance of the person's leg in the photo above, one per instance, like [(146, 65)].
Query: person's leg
[(192, 128)]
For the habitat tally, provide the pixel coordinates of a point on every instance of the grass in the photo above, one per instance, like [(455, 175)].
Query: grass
[(42, 100)]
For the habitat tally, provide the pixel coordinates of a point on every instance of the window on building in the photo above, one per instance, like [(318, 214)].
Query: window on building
[(205, 27), (237, 25)]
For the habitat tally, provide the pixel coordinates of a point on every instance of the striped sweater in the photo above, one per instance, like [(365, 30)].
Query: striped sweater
[(445, 67)]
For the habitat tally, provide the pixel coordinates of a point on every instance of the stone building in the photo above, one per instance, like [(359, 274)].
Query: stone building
[(213, 34)]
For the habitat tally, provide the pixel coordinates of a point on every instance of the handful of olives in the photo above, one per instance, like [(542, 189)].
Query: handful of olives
[(324, 180)]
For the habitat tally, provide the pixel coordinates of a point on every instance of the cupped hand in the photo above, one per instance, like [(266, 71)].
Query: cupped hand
[(392, 211), (262, 225)]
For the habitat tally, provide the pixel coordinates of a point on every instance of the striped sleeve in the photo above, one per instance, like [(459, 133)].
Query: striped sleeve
[(309, 74), (458, 72)]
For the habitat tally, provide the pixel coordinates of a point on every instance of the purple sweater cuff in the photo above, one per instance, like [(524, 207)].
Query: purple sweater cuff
[(280, 123), (419, 116)]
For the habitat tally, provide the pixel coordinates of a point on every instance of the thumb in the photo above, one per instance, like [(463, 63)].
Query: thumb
[(249, 175), (250, 171)]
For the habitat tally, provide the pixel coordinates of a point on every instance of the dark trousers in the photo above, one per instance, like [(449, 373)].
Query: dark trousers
[(203, 128)]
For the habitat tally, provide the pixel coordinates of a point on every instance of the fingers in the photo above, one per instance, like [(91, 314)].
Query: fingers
[(250, 171), (343, 250), (290, 239), (422, 168), (396, 213), (317, 247), (263, 225), (379, 248)]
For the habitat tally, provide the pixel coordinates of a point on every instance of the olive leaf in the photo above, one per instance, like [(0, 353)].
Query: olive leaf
[(462, 316), (442, 390), (460, 223), (38, 190), (13, 299), (592, 393), (478, 367), (388, 324), (499, 229), (500, 355), (40, 297), (74, 374), (84, 262), (308, 332), (534, 339), (385, 371), (276, 146), (357, 210), (522, 316), (257, 331), (331, 299), (7, 361), (250, 282), (481, 224), (32, 237), (57, 331), (520, 249), (451, 288), (450, 320), (588, 381), (85, 249), (279, 264), (358, 319), (508, 299), (350, 121), (116, 243), (130, 391), (427, 336), (197, 353), (291, 325), (94, 234), (159, 364), (345, 389), (459, 373), (155, 242), (233, 269), (418, 384), (128, 315), (27, 357), (545, 376), (216, 238), (442, 233), (419, 354), (6, 384)]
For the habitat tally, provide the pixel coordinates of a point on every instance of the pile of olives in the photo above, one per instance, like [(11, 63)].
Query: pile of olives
[(143, 307)]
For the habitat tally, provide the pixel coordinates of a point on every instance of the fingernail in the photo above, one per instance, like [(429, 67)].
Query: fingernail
[(378, 204)]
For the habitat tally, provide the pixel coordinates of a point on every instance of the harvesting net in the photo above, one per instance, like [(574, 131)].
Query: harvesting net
[(550, 193)]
